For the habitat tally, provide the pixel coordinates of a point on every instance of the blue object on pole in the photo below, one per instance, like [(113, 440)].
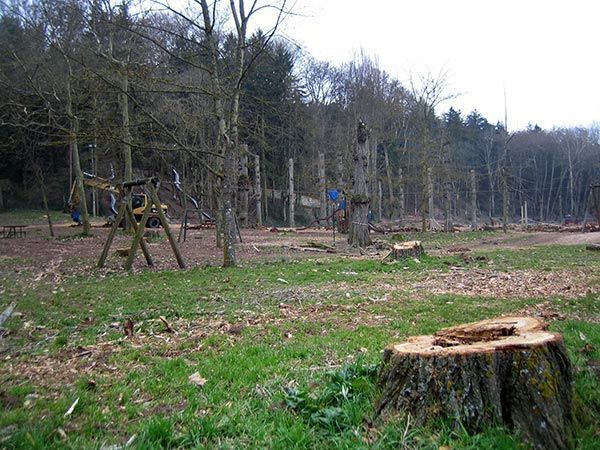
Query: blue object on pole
[(333, 194)]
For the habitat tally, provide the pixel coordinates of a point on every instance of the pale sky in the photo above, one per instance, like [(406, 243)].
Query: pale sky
[(544, 53)]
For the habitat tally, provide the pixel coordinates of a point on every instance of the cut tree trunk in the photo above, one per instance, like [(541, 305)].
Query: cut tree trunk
[(358, 235), (409, 249), (507, 370)]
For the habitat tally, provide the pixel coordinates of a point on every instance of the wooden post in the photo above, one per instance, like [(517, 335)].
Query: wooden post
[(165, 224), (322, 187), (430, 198), (473, 200), (134, 224), (139, 234), (113, 231), (257, 191), (291, 195)]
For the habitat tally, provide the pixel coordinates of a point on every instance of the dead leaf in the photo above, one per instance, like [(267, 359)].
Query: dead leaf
[(197, 379)]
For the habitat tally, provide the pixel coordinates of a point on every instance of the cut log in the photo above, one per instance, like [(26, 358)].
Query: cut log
[(409, 249), (507, 370), (320, 245), (593, 247)]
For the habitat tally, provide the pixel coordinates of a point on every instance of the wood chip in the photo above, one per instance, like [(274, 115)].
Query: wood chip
[(72, 408), (197, 379)]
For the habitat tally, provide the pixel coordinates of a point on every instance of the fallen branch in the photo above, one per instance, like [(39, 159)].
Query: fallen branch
[(168, 328), (310, 249), (313, 244)]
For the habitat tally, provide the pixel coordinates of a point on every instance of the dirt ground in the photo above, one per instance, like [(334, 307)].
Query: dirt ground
[(71, 254)]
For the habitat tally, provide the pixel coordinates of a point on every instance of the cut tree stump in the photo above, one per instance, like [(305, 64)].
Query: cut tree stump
[(508, 370), (409, 249)]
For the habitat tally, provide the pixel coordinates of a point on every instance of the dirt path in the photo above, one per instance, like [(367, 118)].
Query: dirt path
[(521, 240)]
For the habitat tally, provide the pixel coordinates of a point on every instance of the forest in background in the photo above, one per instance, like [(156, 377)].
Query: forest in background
[(139, 89)]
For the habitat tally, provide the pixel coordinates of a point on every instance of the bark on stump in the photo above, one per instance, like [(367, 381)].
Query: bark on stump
[(507, 370)]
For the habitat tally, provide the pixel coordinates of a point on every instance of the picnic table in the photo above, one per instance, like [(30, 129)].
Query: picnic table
[(13, 231)]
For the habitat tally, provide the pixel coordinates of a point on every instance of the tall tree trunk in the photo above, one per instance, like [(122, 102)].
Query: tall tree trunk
[(447, 206), (228, 145), (291, 195), (322, 186), (126, 145), (359, 202), (380, 201), (388, 174), (228, 194), (244, 187), (401, 201), (373, 175), (504, 200), (40, 179), (571, 182), (257, 190), (74, 130), (430, 205), (473, 200), (550, 189)]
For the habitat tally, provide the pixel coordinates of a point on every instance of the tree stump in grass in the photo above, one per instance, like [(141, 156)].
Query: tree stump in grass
[(507, 370), (409, 249)]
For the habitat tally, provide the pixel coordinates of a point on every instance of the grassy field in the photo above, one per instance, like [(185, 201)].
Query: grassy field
[(285, 353)]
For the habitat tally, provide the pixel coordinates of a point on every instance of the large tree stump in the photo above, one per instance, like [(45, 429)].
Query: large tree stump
[(409, 249), (507, 370)]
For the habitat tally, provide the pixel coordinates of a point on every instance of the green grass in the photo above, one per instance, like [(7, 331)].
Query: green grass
[(300, 373), (31, 217), (545, 258)]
